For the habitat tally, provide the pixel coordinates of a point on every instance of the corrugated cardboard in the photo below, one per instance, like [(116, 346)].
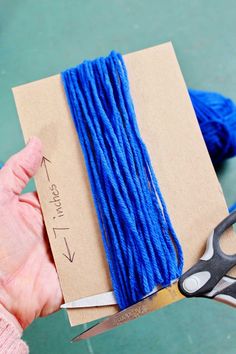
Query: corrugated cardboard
[(170, 130)]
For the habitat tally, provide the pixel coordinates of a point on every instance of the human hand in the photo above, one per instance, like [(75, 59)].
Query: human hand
[(29, 285)]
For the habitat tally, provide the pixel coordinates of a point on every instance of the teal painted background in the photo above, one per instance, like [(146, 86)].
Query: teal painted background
[(41, 38)]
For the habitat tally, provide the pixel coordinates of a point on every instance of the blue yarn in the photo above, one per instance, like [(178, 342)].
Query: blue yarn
[(140, 243), (217, 119), (141, 246), (232, 207)]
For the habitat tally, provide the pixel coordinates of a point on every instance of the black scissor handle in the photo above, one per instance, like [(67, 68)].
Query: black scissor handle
[(212, 266)]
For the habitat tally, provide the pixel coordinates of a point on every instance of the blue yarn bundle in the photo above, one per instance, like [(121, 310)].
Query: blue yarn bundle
[(141, 246), (216, 115)]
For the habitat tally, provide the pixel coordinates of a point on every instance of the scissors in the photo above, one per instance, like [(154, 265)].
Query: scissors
[(207, 278)]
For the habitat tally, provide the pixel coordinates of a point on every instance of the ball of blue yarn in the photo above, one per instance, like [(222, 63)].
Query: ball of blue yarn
[(216, 115)]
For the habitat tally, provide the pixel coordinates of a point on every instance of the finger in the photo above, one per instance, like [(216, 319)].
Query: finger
[(32, 199), (22, 166), (29, 202)]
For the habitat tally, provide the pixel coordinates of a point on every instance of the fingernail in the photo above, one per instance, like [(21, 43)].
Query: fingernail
[(29, 141), (35, 144), (34, 140)]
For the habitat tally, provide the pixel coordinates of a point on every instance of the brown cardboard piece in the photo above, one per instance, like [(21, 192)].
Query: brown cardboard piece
[(170, 130)]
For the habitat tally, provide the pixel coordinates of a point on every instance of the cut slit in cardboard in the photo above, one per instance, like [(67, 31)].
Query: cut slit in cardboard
[(181, 162)]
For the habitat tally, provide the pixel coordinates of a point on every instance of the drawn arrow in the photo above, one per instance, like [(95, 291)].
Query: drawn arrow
[(44, 163), (68, 255)]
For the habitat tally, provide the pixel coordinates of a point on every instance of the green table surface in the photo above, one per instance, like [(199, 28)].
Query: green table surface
[(41, 38)]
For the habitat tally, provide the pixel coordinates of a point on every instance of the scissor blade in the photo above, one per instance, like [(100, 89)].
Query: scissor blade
[(103, 299), (149, 304)]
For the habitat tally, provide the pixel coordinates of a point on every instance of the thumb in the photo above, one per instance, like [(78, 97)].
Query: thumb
[(22, 166)]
